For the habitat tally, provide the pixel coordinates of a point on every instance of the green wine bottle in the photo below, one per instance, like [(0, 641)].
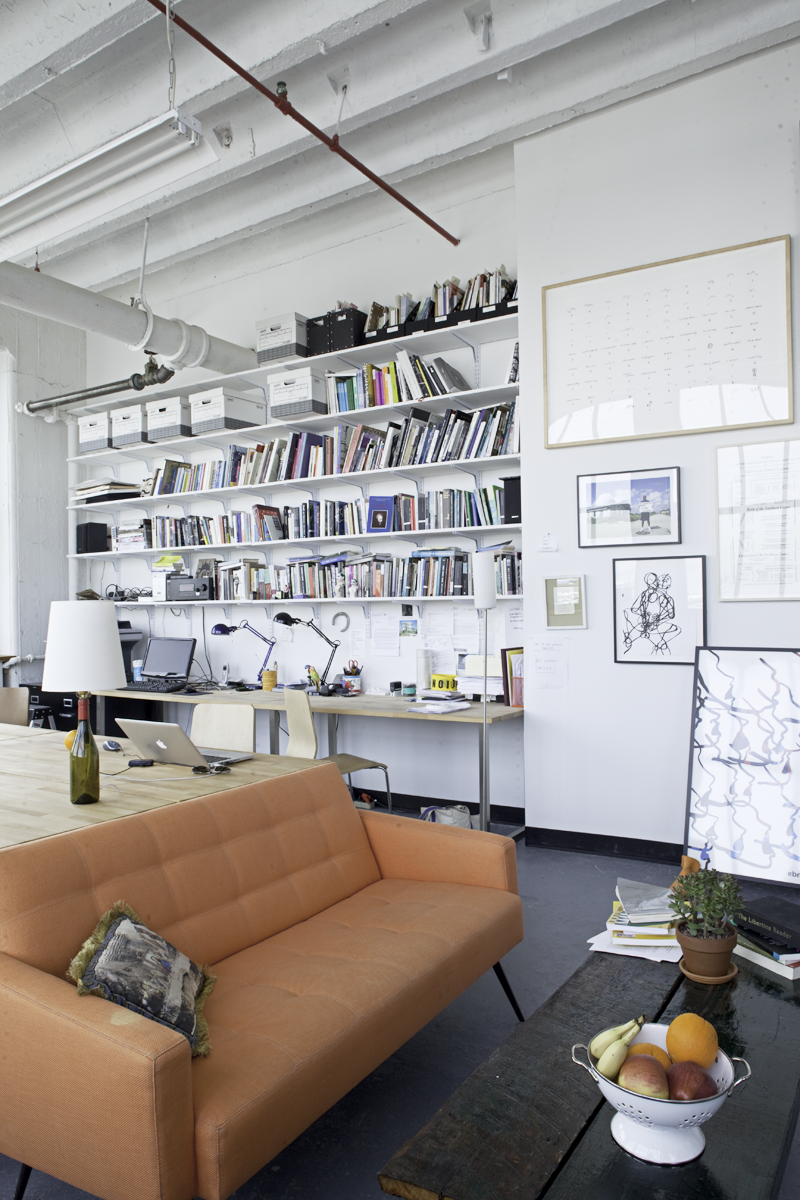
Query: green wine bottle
[(84, 760)]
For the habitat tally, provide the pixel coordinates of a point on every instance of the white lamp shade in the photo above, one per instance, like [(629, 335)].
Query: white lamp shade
[(83, 651), (483, 580)]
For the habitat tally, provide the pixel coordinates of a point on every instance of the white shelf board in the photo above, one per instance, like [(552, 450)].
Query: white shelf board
[(435, 341), (317, 600), (464, 466), (319, 423), (405, 535)]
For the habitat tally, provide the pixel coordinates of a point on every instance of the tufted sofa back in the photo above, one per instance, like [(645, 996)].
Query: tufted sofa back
[(213, 875)]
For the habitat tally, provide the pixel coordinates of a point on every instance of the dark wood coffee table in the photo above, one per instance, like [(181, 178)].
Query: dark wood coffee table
[(529, 1123)]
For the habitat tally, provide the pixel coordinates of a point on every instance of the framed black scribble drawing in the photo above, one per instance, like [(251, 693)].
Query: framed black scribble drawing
[(743, 798), (659, 609)]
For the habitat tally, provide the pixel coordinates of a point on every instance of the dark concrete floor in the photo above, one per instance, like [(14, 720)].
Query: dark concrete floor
[(567, 898)]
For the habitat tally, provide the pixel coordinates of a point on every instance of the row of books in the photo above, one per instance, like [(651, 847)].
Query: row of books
[(489, 287), (449, 508), (423, 574), (769, 934), (454, 436), (408, 378)]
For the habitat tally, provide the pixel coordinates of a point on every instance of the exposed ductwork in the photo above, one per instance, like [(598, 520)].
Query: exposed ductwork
[(181, 345)]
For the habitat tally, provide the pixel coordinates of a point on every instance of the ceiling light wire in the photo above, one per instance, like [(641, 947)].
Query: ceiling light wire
[(341, 109)]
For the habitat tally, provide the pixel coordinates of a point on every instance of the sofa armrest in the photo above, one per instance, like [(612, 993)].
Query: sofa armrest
[(92, 1093), (407, 849)]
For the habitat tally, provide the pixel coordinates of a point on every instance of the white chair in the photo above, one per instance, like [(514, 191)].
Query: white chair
[(224, 727), (13, 706), (303, 741)]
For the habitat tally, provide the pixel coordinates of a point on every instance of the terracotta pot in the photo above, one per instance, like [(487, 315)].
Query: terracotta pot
[(708, 956)]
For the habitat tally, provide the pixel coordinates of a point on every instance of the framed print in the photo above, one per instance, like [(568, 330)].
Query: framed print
[(743, 798), (623, 508), (758, 520), (682, 346), (565, 602), (659, 609)]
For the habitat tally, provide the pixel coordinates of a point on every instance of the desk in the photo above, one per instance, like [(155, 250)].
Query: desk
[(334, 707), (34, 784), (529, 1123)]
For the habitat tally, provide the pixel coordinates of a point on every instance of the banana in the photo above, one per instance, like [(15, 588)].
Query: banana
[(603, 1040), (614, 1055)]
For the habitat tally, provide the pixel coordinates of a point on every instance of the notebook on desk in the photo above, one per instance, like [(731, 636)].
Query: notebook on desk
[(165, 742)]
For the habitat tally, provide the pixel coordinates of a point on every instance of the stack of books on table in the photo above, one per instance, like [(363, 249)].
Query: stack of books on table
[(769, 934), (641, 924)]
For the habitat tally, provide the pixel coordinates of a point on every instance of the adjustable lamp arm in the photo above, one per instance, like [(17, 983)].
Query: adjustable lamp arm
[(270, 643), (325, 638)]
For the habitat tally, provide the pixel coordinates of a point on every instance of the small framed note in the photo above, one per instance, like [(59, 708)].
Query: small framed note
[(565, 602)]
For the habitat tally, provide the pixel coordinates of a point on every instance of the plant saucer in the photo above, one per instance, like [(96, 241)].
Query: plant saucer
[(709, 978)]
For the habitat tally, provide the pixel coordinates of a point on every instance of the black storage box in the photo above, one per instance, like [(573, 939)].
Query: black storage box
[(388, 333), (494, 310), (512, 506), (318, 335), (346, 328), (91, 538)]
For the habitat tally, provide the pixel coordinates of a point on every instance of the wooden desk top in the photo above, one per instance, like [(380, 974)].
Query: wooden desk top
[(356, 706), (34, 784)]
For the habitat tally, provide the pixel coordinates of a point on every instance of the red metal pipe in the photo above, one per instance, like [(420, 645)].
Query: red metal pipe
[(283, 104)]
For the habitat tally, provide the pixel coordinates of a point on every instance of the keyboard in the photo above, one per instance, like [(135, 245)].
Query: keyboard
[(155, 685)]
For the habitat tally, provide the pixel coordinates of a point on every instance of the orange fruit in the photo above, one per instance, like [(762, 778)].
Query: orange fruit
[(691, 1039), (656, 1051), (70, 738)]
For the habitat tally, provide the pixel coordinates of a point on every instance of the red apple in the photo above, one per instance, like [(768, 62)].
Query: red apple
[(644, 1074), (689, 1081)]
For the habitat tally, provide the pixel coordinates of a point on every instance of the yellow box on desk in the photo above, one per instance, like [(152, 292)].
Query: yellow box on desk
[(444, 683)]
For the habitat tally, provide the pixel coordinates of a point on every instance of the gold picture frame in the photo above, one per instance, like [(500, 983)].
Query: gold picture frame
[(670, 348)]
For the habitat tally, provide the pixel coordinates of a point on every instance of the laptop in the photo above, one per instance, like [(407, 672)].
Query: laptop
[(166, 665), (168, 743)]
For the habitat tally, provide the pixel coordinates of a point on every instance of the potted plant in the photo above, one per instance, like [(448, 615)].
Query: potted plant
[(703, 904)]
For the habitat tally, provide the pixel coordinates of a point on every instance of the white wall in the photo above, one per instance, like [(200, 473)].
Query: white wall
[(370, 249), (704, 164), (38, 358)]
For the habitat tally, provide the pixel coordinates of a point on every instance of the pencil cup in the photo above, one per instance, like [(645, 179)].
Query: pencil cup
[(269, 680)]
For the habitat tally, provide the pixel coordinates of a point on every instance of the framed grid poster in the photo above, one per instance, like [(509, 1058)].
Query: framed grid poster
[(687, 345)]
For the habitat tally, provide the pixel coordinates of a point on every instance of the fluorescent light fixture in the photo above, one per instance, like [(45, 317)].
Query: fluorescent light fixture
[(153, 156)]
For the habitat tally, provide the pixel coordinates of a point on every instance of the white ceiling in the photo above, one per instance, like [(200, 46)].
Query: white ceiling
[(421, 94)]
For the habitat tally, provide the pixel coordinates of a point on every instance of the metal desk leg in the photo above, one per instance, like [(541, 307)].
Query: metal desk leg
[(332, 734), (483, 773), (275, 731), (100, 714)]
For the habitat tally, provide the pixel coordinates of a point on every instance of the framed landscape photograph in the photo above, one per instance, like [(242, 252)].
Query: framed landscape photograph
[(565, 602), (659, 609), (624, 508)]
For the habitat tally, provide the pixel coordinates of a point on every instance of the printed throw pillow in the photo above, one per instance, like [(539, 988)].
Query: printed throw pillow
[(125, 962)]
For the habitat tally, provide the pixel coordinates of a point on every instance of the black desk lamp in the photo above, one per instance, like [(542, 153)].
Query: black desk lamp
[(284, 618), (224, 630)]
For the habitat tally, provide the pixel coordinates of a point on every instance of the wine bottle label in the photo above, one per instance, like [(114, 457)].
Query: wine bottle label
[(83, 708)]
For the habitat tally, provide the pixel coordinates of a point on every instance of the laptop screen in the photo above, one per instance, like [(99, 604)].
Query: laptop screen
[(169, 656)]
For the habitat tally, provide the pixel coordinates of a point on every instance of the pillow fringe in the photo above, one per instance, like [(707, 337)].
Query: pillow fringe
[(77, 968)]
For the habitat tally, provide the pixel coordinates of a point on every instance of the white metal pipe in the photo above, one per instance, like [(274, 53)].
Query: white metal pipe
[(183, 345)]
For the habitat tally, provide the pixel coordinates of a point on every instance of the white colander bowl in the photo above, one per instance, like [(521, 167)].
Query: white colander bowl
[(663, 1131)]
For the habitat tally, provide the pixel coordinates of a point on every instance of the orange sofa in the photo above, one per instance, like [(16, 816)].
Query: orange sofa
[(335, 935)]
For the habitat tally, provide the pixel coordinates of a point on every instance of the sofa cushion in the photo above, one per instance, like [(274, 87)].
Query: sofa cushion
[(301, 1018), (212, 875)]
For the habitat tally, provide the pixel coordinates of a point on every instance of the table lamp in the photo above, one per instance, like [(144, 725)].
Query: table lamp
[(224, 630), (284, 618), (83, 654), (484, 594)]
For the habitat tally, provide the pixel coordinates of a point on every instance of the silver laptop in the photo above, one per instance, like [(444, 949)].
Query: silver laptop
[(165, 742)]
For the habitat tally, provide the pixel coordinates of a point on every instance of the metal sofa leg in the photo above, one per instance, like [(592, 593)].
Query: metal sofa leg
[(388, 789), (22, 1181), (506, 986)]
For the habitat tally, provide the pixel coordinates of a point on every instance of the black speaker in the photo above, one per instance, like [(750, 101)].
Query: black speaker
[(512, 507), (92, 538)]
